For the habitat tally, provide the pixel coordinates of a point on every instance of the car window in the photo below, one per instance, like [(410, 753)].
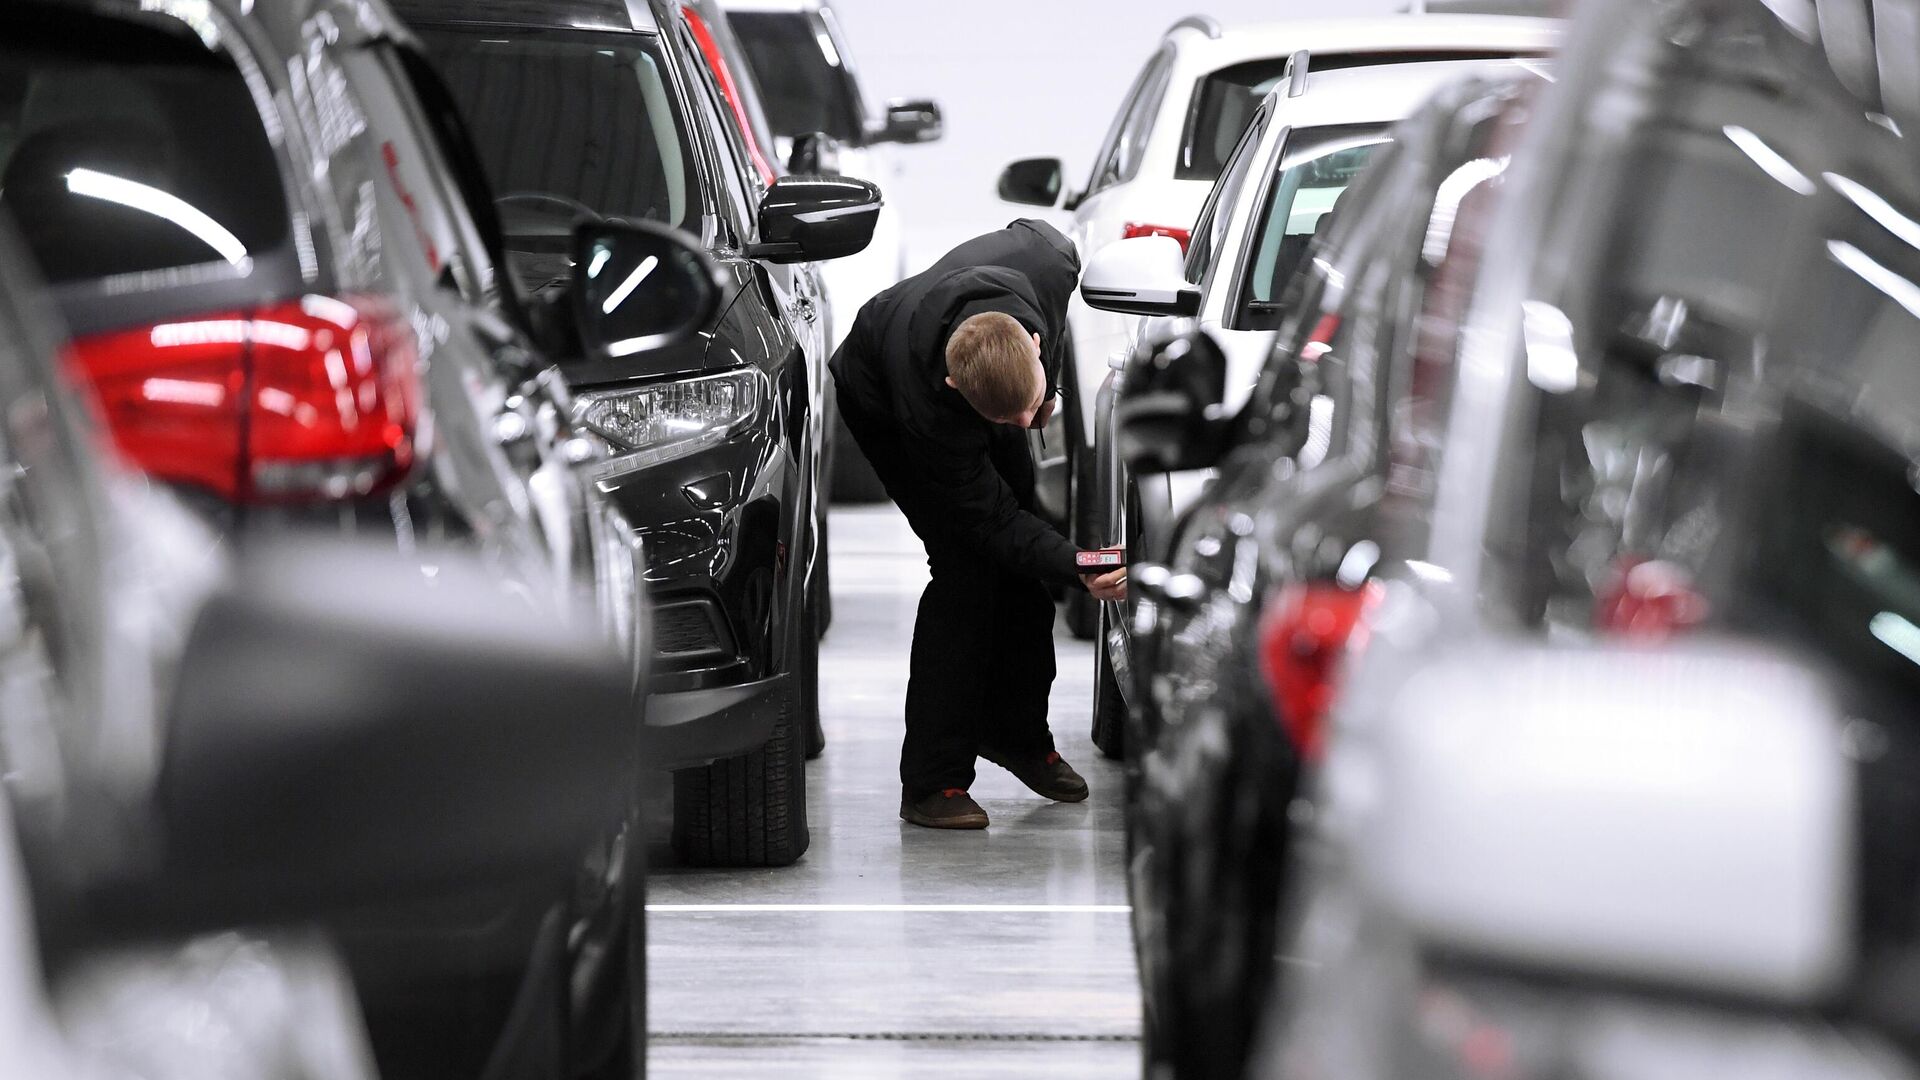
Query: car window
[(802, 77), (568, 123), (135, 158), (1131, 124), (1209, 230), (1223, 105), (1314, 171)]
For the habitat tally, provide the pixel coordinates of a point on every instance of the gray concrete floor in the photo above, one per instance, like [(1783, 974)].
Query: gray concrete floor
[(893, 951)]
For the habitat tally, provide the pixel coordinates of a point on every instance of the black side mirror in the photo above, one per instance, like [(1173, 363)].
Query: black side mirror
[(1169, 412), (1032, 181), (345, 732), (915, 121), (814, 154), (815, 218), (639, 286)]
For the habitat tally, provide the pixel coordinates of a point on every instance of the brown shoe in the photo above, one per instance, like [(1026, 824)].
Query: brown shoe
[(951, 808), (1050, 776)]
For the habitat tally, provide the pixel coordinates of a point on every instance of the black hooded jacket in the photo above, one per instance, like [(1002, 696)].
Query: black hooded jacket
[(893, 368)]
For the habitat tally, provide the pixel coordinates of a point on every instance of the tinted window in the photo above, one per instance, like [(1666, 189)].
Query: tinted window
[(127, 148), (1210, 230), (1223, 105), (569, 122), (1314, 172), (802, 78)]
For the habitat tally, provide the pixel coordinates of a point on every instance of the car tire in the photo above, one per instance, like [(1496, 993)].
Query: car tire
[(1109, 708), (750, 810), (626, 1057)]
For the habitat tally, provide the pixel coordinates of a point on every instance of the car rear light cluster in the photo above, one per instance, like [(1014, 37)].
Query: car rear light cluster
[(1649, 600), (1305, 633), (312, 399), (1136, 228)]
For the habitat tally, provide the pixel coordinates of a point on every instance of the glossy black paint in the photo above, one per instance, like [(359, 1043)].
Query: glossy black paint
[(731, 524), (814, 218)]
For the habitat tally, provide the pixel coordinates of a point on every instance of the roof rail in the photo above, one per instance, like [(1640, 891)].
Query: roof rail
[(1206, 24), (1296, 75)]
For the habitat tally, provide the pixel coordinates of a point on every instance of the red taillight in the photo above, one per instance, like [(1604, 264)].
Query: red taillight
[(314, 398), (1304, 633), (1648, 599), (1136, 228), (1320, 340)]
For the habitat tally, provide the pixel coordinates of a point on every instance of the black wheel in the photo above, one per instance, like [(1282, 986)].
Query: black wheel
[(1205, 922), (750, 810), (1109, 708), (621, 1052)]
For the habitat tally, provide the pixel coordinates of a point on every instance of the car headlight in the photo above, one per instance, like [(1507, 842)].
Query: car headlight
[(670, 419)]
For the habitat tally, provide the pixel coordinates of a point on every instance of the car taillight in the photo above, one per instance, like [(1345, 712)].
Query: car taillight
[(1648, 599), (315, 398), (1137, 228), (1305, 632)]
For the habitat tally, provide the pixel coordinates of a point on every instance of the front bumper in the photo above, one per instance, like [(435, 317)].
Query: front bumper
[(696, 727)]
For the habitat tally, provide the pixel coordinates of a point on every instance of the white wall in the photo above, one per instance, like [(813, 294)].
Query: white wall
[(1017, 78)]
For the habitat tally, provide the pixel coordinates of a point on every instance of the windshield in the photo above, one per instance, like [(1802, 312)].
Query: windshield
[(1314, 171), (803, 80), (128, 149), (568, 124)]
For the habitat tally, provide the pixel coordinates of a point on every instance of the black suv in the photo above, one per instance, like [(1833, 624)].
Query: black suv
[(596, 109), (264, 224)]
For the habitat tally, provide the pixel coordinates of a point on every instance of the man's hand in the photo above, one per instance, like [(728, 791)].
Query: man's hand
[(1043, 414), (1109, 586)]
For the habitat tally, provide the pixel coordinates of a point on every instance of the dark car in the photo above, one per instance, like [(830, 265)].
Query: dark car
[(191, 790), (1680, 482), (1237, 631), (603, 109), (264, 226)]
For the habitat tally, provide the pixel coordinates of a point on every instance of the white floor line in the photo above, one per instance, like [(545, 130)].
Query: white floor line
[(990, 909)]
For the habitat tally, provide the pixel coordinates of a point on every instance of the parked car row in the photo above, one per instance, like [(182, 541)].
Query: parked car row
[(1525, 692), (458, 380)]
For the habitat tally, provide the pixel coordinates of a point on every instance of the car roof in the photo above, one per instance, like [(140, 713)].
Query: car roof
[(628, 16), (773, 5), (1385, 93), (1198, 51)]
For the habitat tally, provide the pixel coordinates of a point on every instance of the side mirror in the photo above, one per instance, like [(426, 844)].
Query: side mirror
[(915, 121), (1142, 275), (1032, 181), (1168, 415), (639, 286), (816, 218), (814, 154), (1680, 816), (346, 732)]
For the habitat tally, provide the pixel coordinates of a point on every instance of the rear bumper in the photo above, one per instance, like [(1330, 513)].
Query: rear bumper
[(695, 727)]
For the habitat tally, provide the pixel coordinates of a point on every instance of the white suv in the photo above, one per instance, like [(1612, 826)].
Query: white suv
[(1172, 137)]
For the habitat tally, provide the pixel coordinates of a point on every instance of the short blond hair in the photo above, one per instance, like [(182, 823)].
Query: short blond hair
[(990, 360)]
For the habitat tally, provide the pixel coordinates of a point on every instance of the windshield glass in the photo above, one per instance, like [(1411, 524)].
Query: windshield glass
[(128, 149), (1314, 171), (803, 80), (568, 124)]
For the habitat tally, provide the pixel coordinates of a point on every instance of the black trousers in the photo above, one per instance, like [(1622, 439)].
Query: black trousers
[(982, 662)]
